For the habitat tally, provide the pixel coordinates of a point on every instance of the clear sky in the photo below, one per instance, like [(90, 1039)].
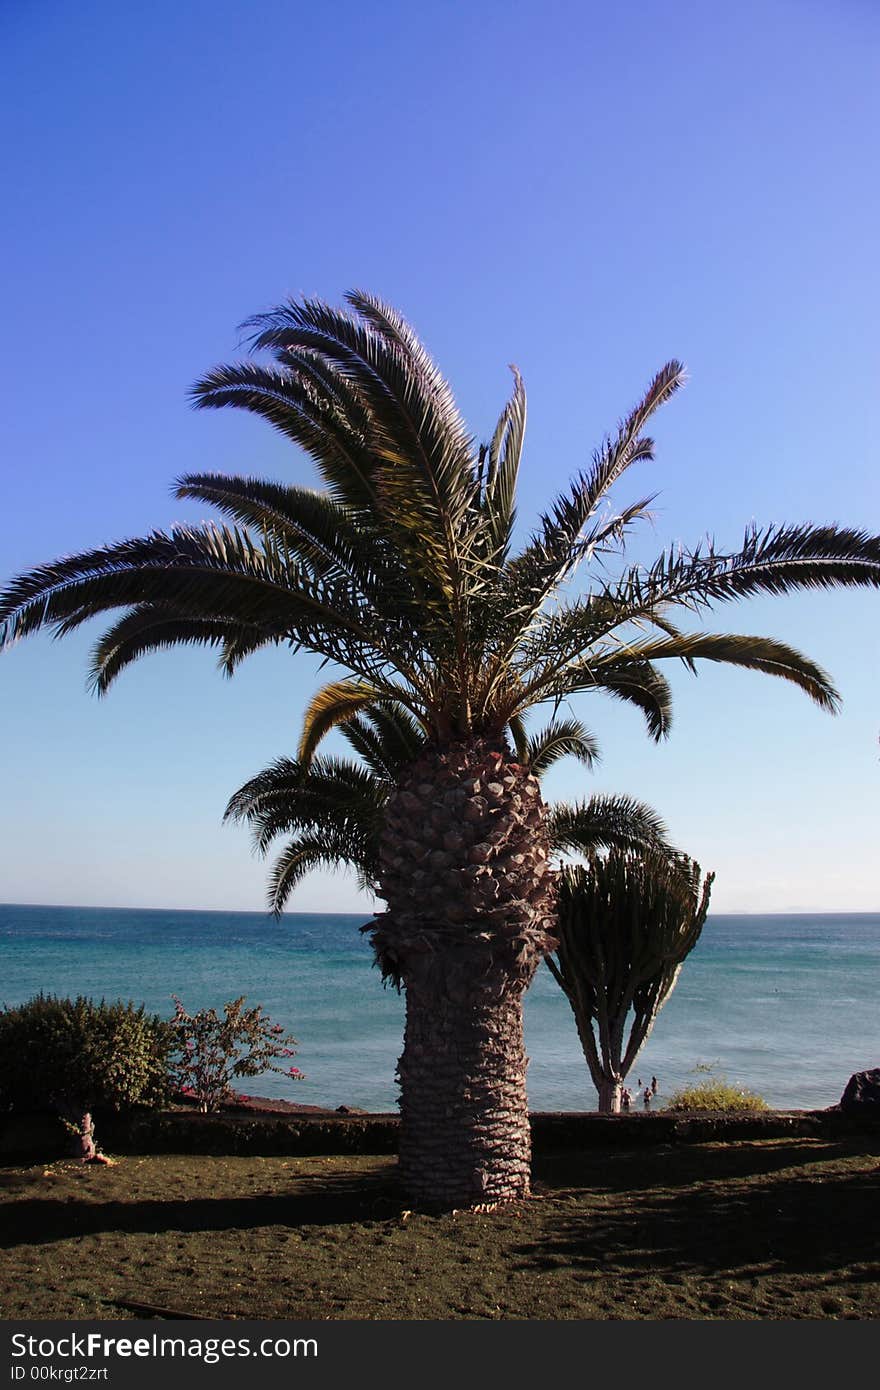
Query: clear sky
[(583, 189)]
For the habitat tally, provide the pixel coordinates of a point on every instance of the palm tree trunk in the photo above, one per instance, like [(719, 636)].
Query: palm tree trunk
[(465, 1136), (471, 908)]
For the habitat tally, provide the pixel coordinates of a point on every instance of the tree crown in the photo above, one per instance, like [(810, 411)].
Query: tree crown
[(402, 571)]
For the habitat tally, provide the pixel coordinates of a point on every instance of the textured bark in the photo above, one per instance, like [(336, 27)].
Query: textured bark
[(609, 1097), (465, 1135), (471, 909)]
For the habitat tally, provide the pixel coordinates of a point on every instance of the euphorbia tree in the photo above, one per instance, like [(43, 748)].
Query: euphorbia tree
[(403, 573), (627, 921)]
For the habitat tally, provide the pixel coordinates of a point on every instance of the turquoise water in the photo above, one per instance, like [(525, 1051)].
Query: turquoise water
[(784, 1005)]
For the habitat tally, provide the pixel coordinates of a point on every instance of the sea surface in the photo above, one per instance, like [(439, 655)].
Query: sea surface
[(784, 1005)]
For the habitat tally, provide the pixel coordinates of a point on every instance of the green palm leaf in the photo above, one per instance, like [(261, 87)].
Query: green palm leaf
[(149, 629), (777, 560), (400, 574), (306, 852), (388, 740), (314, 407), (559, 739), (329, 707), (310, 525), (607, 822), (502, 460), (565, 538), (291, 795)]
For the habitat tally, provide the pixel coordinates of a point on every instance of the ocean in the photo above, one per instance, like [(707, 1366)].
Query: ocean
[(784, 1005)]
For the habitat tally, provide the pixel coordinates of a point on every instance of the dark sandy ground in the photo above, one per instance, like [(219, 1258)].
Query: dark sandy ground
[(767, 1229)]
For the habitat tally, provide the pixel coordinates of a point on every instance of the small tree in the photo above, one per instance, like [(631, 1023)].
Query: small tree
[(73, 1056), (211, 1051), (627, 920)]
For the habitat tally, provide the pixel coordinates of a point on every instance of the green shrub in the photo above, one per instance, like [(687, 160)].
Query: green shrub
[(716, 1093), (74, 1055)]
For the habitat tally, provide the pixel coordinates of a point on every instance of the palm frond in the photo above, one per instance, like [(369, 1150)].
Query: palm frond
[(309, 524), (414, 424), (399, 734), (425, 470), (316, 407), (630, 445), (307, 852), (625, 677), (433, 387), (150, 629), (332, 808), (519, 735), (636, 683), (328, 793), (607, 822), (503, 458), (777, 560), (563, 539), (208, 573), (560, 739), (765, 654), (331, 706), (558, 643), (277, 780)]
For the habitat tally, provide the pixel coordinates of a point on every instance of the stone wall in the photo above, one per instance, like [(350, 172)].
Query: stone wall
[(39, 1137)]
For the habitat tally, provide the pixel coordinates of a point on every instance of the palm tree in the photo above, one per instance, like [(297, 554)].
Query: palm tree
[(402, 573), (332, 808)]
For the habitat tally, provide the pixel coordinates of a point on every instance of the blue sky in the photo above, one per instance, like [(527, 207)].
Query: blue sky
[(584, 193)]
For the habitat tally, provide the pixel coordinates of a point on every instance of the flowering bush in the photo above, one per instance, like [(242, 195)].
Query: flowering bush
[(211, 1051)]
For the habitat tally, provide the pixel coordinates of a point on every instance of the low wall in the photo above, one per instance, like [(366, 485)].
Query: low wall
[(40, 1137)]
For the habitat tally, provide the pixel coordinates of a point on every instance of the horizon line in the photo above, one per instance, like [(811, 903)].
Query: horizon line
[(306, 912)]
